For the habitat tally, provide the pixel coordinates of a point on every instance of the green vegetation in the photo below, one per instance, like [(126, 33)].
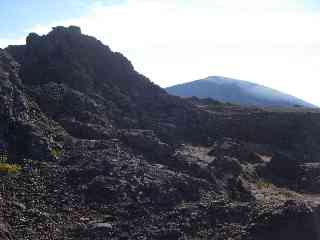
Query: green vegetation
[(216, 105), (264, 185), (5, 167), (287, 194), (3, 157), (56, 152), (9, 168)]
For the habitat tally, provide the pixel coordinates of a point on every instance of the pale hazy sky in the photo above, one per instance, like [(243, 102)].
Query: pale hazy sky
[(272, 42)]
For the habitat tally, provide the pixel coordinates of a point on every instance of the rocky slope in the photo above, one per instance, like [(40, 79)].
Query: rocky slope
[(237, 92), (106, 154)]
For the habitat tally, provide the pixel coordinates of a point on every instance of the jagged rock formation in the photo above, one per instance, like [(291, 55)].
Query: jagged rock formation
[(24, 127), (80, 78), (106, 154)]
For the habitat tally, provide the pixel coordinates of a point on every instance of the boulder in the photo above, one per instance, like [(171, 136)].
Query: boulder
[(102, 189), (147, 142), (285, 165), (100, 226), (233, 148), (5, 233), (295, 220), (309, 177)]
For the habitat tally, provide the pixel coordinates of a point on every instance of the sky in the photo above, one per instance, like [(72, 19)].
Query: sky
[(275, 43)]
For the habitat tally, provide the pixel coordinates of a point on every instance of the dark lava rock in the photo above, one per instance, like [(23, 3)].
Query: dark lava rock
[(147, 142), (5, 232), (106, 84), (284, 165), (102, 189), (228, 165), (295, 220), (309, 177), (243, 151), (106, 154), (26, 129), (95, 231)]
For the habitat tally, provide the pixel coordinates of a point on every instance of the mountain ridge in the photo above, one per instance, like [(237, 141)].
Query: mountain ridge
[(236, 92)]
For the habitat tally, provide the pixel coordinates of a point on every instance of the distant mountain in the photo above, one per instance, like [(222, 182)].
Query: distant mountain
[(237, 92)]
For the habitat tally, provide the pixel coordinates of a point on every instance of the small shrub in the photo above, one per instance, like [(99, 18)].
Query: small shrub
[(3, 157), (286, 193), (9, 168), (56, 152), (263, 185), (215, 105)]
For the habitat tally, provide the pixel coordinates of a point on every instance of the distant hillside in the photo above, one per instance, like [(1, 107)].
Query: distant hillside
[(237, 92)]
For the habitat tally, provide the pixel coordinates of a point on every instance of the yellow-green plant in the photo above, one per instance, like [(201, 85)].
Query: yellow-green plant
[(56, 152), (264, 185), (9, 168), (3, 157)]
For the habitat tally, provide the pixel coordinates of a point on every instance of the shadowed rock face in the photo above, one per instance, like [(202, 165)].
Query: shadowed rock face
[(24, 127), (74, 74), (106, 154)]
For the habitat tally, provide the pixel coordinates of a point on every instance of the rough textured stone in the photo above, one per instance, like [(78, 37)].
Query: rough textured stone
[(106, 154)]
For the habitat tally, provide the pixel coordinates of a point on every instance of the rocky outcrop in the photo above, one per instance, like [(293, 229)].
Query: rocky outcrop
[(24, 127), (77, 75), (308, 177), (294, 220), (5, 233), (147, 142), (106, 154)]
